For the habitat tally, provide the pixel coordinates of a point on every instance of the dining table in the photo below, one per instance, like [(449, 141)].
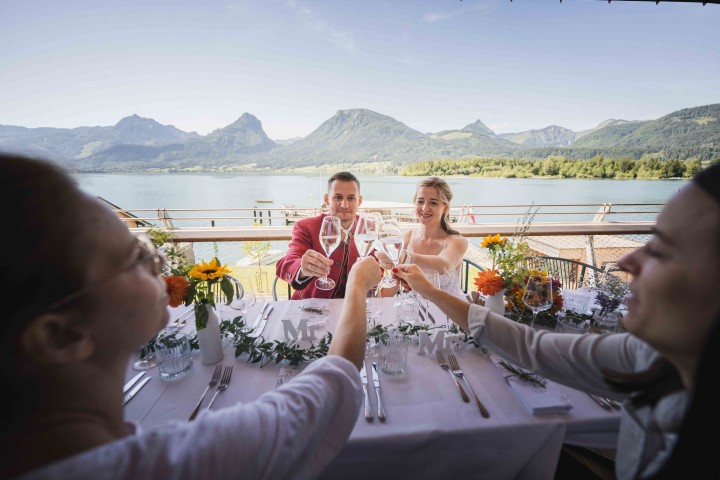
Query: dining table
[(429, 431)]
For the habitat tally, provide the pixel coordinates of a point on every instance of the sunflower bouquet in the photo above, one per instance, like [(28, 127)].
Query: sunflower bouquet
[(196, 285), (508, 265)]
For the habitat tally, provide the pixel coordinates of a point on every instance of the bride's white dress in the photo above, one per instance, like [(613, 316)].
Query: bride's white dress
[(450, 280)]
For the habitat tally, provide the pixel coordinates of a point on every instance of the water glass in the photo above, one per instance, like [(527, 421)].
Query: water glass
[(570, 323), (407, 311), (393, 350), (173, 354)]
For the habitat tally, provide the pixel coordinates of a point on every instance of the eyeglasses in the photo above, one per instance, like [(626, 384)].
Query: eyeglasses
[(146, 255)]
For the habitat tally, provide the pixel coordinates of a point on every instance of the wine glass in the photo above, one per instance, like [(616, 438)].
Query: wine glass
[(330, 232), (434, 278), (147, 358), (538, 295), (366, 232), (365, 237), (391, 242), (243, 305)]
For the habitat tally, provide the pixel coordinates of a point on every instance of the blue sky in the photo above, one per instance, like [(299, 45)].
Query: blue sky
[(431, 64)]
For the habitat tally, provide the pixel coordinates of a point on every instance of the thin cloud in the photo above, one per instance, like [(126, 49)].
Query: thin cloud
[(434, 17), (337, 37)]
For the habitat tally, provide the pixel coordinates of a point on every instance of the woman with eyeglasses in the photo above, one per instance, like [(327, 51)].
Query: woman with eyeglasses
[(81, 294)]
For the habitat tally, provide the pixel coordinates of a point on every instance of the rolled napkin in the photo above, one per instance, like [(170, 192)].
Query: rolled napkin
[(538, 399)]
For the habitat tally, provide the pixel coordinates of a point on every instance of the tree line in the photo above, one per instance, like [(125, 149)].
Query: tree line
[(559, 167)]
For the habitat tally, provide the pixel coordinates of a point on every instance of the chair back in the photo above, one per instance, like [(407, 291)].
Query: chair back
[(468, 270), (238, 290), (275, 288), (572, 273)]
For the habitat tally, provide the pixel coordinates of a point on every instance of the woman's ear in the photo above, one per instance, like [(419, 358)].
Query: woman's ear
[(55, 338)]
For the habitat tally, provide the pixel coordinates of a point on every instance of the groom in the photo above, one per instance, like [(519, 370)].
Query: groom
[(305, 259)]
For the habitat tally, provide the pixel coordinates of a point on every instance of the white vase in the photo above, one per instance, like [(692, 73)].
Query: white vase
[(211, 350), (496, 303)]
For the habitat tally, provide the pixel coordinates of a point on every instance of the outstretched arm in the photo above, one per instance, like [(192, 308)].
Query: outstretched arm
[(349, 338)]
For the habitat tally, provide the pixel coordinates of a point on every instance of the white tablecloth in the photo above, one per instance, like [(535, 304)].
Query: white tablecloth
[(429, 433)]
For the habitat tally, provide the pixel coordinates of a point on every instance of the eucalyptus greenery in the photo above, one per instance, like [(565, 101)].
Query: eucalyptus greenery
[(523, 374), (259, 350)]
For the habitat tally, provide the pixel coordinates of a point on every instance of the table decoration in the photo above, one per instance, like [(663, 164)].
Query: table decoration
[(505, 283), (611, 292), (193, 285)]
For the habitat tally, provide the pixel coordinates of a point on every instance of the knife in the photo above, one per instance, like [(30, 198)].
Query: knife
[(263, 321), (259, 317), (131, 394), (376, 381), (132, 382), (368, 409)]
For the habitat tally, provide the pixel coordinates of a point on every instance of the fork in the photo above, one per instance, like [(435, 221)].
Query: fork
[(444, 365), (212, 383), (224, 382), (459, 373)]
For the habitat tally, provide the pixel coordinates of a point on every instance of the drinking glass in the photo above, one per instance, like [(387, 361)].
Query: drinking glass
[(366, 232), (365, 237), (147, 358), (391, 242), (330, 232), (538, 295), (243, 305), (434, 278), (173, 354)]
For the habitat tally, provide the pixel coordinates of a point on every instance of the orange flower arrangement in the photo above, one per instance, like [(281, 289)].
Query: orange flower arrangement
[(192, 284), (489, 282), (177, 288)]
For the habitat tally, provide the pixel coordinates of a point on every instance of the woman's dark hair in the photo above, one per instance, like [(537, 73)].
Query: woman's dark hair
[(39, 263), (42, 259), (693, 452), (446, 196)]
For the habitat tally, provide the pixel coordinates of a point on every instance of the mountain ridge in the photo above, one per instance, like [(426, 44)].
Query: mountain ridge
[(354, 136)]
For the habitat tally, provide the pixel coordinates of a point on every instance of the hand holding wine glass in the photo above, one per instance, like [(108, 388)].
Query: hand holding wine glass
[(538, 295), (330, 234)]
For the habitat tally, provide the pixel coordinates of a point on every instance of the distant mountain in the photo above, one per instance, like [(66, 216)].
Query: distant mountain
[(552, 136), (356, 136)]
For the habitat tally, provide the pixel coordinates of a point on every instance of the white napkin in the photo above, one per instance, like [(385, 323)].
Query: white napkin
[(537, 400)]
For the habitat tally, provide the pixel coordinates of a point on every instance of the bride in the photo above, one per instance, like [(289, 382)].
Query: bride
[(434, 245)]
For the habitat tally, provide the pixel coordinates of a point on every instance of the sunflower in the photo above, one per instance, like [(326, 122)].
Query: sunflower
[(208, 271), (493, 241)]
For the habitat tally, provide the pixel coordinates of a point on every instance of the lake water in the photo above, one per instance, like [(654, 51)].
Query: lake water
[(306, 191)]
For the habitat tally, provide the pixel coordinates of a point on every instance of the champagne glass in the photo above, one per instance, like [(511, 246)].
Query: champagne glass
[(391, 242), (538, 295), (330, 232), (365, 237), (366, 232), (147, 358)]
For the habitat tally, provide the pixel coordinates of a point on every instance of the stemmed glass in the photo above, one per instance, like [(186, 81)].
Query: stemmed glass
[(538, 295), (365, 237), (243, 305), (391, 242), (147, 359), (330, 232)]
